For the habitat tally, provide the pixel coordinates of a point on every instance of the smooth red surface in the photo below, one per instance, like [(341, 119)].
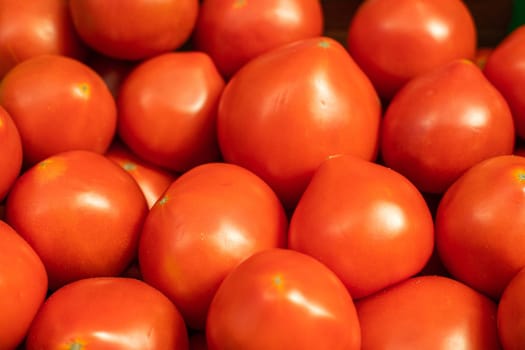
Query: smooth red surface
[(282, 299), (209, 220), (58, 104), (108, 313), (81, 212), (511, 313), (291, 108), (442, 123), (10, 154), (367, 223)]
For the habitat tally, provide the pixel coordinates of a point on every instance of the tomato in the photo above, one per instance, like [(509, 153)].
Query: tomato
[(479, 224), (168, 108), (81, 212), (233, 32), (428, 312), (505, 68), (58, 104), (511, 313), (394, 41), (134, 29), (23, 286), (282, 299), (442, 123), (10, 153), (153, 181), (367, 223), (107, 313), (292, 107), (482, 56), (210, 219), (32, 28)]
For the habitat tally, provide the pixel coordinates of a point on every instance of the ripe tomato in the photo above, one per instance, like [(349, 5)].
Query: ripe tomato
[(23, 286), (505, 68), (428, 312), (367, 223), (479, 224), (167, 110), (442, 123), (233, 32), (108, 313), (511, 313), (32, 28), (134, 29), (73, 109), (10, 153), (282, 299), (210, 219), (153, 181), (292, 107), (394, 41), (82, 214)]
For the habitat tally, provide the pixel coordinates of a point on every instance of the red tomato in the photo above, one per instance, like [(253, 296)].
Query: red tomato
[(153, 181), (479, 224), (282, 299), (23, 286), (58, 104), (511, 313), (394, 41), (233, 32), (505, 68), (428, 312), (82, 214), (10, 153), (108, 313), (210, 219), (289, 109), (442, 123), (32, 28), (134, 29), (167, 110), (367, 223)]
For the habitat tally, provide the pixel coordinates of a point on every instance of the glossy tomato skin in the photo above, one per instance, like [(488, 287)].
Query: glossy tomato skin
[(134, 29), (479, 223), (394, 41), (233, 32), (511, 313), (10, 153), (168, 110), (209, 220), (505, 69), (34, 28), (442, 123), (58, 104), (23, 286), (152, 180), (367, 223), (82, 214), (108, 313), (282, 299), (428, 312), (289, 109)]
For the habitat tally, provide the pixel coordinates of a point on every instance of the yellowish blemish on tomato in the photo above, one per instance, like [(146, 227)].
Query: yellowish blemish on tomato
[(82, 90), (50, 169), (519, 174), (129, 166), (163, 200), (324, 44), (239, 4), (76, 344), (466, 61), (278, 282)]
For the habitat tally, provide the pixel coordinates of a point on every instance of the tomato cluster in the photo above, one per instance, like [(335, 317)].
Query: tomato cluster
[(222, 174)]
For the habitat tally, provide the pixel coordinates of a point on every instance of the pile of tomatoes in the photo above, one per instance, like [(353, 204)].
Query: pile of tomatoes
[(218, 174)]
